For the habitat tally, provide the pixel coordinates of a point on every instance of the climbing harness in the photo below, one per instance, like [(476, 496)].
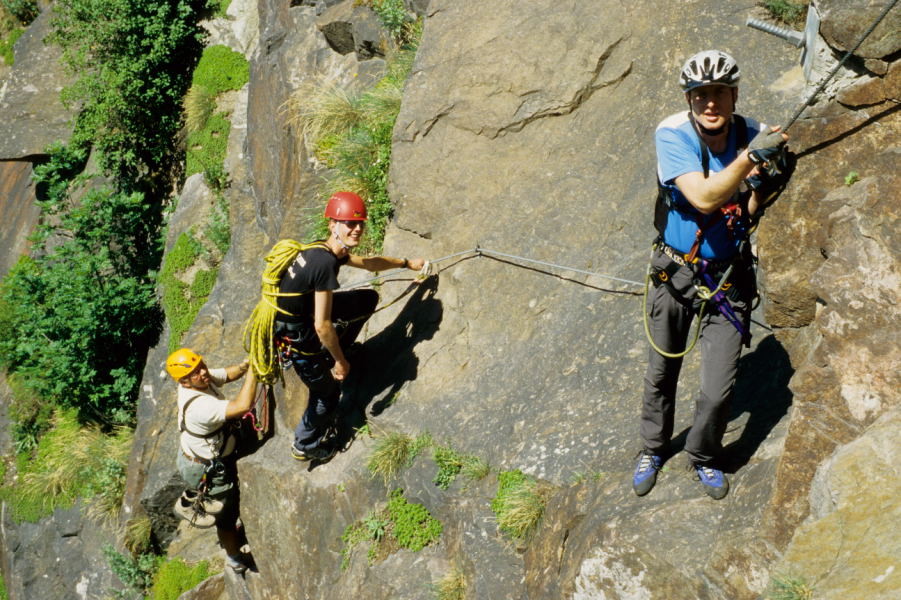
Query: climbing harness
[(702, 287)]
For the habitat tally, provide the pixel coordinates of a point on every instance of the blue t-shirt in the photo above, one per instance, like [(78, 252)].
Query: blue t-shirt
[(678, 153)]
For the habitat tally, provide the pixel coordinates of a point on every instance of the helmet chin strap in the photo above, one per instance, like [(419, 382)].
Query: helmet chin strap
[(340, 241)]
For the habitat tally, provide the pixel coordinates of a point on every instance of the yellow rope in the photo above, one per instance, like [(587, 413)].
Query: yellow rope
[(259, 327)]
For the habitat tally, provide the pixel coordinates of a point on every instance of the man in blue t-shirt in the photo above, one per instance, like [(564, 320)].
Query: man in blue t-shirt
[(703, 216)]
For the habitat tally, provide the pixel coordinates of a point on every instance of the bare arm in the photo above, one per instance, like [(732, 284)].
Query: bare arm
[(707, 195), (383, 263), (244, 400), (322, 322), (236, 371)]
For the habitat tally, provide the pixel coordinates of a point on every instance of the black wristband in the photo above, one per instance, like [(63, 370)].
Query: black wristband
[(406, 263)]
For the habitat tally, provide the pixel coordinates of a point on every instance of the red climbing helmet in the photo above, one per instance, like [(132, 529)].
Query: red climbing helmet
[(345, 206)]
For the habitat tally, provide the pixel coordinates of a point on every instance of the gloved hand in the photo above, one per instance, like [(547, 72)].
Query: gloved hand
[(765, 146)]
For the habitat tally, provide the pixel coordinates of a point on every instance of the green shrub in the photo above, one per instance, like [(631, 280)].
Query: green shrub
[(371, 529), (206, 148), (220, 7), (131, 59), (221, 69), (71, 461), (452, 586), (218, 230), (135, 572), (451, 464), (7, 44), (25, 11), (413, 526), (175, 577), (182, 301), (78, 318), (199, 104), (401, 524), (519, 503), (391, 454), (393, 15), (791, 13)]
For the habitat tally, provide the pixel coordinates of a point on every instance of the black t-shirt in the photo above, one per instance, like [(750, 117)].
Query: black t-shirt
[(314, 270)]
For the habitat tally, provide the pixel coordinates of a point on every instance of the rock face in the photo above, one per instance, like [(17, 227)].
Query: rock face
[(60, 557), (33, 115), (520, 137), (528, 130)]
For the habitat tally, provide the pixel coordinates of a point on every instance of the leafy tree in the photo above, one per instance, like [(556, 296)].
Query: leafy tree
[(133, 60), (78, 317)]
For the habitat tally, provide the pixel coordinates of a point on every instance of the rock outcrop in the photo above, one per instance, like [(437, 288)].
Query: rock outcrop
[(528, 130)]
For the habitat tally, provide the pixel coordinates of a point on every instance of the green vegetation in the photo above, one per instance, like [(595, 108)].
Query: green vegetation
[(183, 300), (175, 577), (74, 320), (136, 572), (137, 534), (394, 452), (519, 503), (70, 461), (24, 11), (452, 586), (220, 69), (402, 524), (393, 15), (852, 177), (220, 7), (790, 13), (451, 464), (6, 45), (350, 133), (414, 527), (789, 587), (132, 61)]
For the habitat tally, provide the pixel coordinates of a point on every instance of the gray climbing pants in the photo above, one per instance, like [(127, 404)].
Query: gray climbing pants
[(720, 343)]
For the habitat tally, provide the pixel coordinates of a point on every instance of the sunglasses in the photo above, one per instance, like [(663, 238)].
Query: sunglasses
[(353, 224)]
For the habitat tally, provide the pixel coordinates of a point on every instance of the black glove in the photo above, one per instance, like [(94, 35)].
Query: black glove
[(765, 146), (771, 180)]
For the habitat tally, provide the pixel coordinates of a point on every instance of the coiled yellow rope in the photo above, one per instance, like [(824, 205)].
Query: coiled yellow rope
[(259, 327)]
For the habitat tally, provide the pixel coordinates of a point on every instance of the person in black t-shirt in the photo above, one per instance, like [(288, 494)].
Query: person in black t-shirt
[(319, 324)]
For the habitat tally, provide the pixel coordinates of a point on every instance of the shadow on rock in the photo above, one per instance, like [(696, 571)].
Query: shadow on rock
[(386, 361), (761, 390)]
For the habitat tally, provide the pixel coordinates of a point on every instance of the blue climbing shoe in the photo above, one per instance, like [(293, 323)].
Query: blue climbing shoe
[(646, 473), (715, 483)]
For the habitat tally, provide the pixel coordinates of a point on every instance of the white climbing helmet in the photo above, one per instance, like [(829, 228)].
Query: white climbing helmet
[(709, 67)]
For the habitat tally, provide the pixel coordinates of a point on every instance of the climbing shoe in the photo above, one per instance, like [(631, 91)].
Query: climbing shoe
[(715, 483), (239, 564), (321, 453), (645, 475), (185, 509), (210, 506)]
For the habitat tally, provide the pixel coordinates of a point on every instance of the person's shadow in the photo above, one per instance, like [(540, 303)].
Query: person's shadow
[(385, 362), (761, 390)]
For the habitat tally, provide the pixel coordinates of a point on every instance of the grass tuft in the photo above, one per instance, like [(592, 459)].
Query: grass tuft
[(452, 586), (519, 503), (789, 587), (350, 133), (391, 454), (199, 104), (71, 461), (174, 577)]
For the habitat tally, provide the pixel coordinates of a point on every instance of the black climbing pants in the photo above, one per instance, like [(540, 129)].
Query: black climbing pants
[(313, 364)]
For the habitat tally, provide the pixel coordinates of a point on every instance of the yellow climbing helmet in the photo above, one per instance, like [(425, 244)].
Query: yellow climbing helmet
[(182, 363)]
